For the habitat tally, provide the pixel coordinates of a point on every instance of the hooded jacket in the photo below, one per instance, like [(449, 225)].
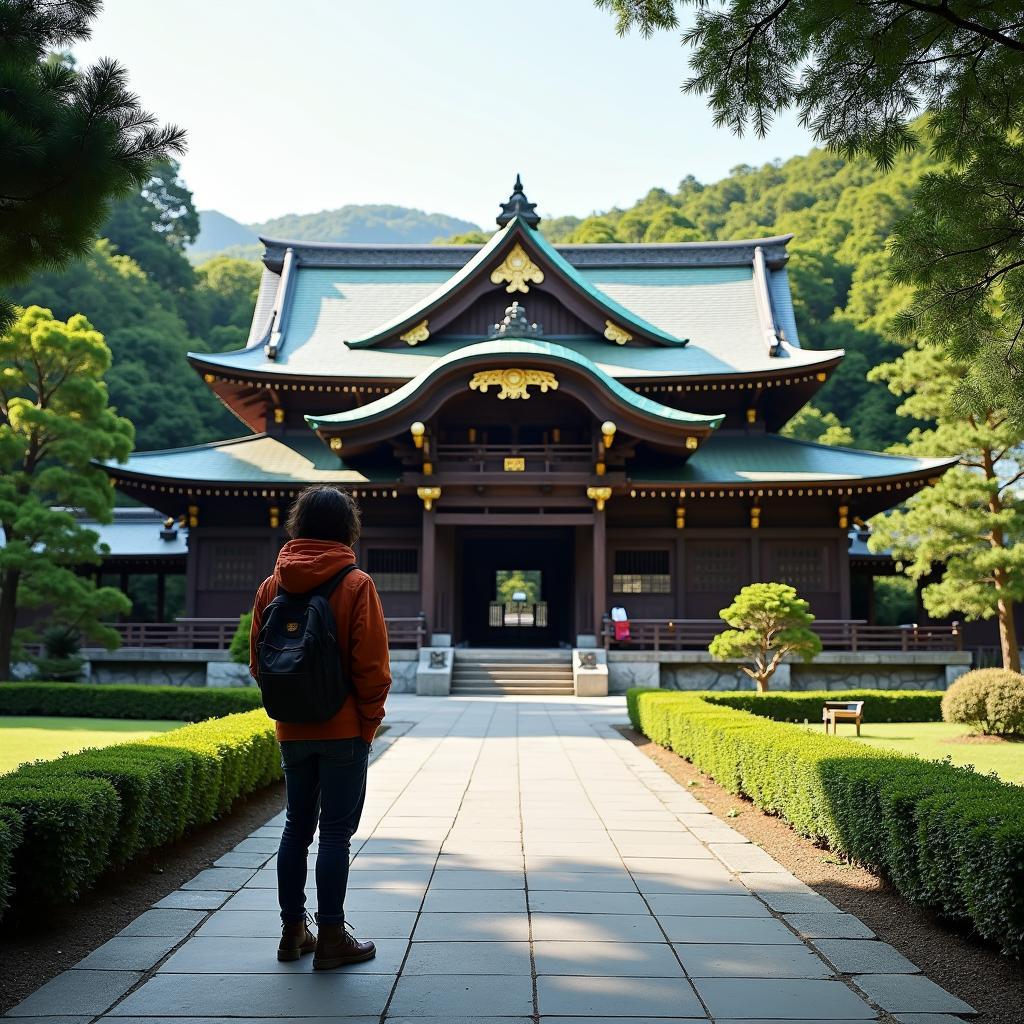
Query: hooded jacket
[(362, 635)]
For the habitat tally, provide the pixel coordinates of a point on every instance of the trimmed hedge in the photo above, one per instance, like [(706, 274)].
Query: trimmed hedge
[(64, 822), (798, 706), (948, 838), (85, 700)]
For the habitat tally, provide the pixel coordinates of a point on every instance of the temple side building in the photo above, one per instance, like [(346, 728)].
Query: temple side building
[(592, 425)]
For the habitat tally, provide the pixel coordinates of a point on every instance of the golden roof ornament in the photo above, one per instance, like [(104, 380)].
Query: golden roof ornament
[(513, 382), (413, 336), (613, 332), (518, 270)]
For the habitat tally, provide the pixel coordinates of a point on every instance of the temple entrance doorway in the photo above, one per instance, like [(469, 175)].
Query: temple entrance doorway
[(516, 587)]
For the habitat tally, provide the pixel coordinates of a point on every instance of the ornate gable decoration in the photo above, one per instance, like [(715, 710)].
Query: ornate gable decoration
[(517, 269), (513, 382)]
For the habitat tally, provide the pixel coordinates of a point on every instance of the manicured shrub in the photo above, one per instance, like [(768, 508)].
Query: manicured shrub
[(84, 812), (68, 825), (806, 705), (83, 700), (239, 648), (10, 839), (948, 838), (988, 699)]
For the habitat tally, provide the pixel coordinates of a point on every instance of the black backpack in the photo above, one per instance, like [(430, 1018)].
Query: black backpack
[(298, 663)]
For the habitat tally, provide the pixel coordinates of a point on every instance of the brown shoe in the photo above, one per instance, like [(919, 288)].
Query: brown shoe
[(296, 940), (337, 946)]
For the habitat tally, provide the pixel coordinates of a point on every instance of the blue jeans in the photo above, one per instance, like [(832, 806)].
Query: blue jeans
[(325, 782)]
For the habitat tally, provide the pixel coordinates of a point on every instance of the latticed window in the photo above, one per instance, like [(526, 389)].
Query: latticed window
[(394, 569), (641, 572), (801, 566), (714, 567), (236, 566)]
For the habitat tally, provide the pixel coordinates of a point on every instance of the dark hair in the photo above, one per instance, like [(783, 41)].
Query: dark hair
[(324, 512)]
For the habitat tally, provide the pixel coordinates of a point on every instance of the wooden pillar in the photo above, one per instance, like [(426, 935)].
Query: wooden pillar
[(600, 562), (679, 578), (428, 551), (843, 558), (161, 597)]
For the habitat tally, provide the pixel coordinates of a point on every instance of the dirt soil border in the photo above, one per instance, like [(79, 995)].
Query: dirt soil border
[(991, 983), (42, 948)]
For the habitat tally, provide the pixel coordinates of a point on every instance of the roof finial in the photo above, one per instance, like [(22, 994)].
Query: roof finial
[(518, 206)]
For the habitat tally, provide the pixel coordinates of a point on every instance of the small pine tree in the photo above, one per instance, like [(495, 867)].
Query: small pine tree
[(769, 621)]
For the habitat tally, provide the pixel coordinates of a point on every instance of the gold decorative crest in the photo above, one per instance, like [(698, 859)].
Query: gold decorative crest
[(416, 334), (515, 464), (517, 269), (428, 495), (513, 382), (615, 333)]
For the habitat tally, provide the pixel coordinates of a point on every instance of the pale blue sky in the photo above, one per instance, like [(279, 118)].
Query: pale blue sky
[(301, 105)]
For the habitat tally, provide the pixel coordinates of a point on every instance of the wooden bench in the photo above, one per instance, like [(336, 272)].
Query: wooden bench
[(836, 711)]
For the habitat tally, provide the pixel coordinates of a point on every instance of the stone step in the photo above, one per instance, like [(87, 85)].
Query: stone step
[(513, 691)]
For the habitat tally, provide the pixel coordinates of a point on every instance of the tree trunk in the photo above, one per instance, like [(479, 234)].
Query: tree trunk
[(8, 610), (1008, 632)]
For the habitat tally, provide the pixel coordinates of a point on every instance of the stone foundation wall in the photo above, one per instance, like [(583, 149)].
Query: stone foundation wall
[(203, 668), (833, 670)]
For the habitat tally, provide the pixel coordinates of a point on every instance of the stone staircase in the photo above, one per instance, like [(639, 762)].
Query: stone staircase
[(485, 672)]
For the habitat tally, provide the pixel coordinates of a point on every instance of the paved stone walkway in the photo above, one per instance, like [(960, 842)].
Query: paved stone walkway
[(520, 860)]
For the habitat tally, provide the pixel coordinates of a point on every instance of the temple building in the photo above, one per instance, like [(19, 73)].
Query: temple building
[(536, 433)]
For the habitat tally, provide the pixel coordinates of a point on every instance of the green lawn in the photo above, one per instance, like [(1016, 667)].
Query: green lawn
[(935, 740), (24, 738)]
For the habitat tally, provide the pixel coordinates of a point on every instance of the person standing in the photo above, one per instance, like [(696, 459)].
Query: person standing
[(325, 762)]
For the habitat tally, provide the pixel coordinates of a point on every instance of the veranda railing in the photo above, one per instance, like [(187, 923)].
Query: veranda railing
[(836, 635)]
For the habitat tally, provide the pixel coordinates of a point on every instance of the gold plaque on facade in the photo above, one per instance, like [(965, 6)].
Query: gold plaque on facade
[(517, 269), (513, 382), (515, 464)]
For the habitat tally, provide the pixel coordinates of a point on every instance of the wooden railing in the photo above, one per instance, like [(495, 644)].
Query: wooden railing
[(836, 635), (535, 458), (216, 634)]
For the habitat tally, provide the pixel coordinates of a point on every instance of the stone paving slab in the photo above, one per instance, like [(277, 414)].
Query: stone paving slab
[(129, 953), (910, 993), (192, 899), (729, 960), (90, 992), (617, 997), (863, 956), (783, 999), (518, 860), (227, 995)]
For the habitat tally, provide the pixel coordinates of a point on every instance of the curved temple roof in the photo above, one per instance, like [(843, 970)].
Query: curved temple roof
[(719, 295), (534, 350)]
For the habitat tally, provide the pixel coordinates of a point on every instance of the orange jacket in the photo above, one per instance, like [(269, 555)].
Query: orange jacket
[(362, 635)]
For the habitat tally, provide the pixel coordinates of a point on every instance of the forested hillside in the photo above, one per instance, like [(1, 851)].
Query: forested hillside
[(220, 234), (842, 213)]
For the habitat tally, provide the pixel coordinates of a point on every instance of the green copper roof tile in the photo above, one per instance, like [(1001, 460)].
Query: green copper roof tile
[(514, 348), (257, 459), (767, 458)]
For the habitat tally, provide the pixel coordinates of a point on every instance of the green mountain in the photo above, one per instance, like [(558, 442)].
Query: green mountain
[(220, 234)]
